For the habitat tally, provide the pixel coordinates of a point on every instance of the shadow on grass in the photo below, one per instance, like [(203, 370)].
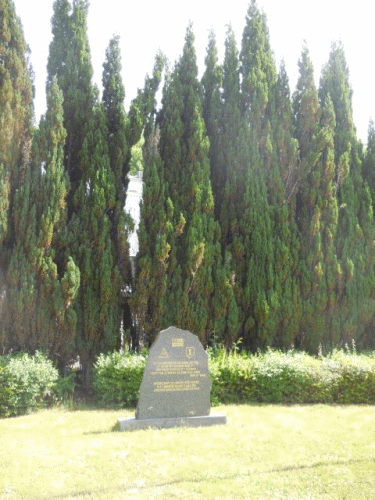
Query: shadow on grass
[(76, 494), (319, 464), (85, 401), (212, 479), (114, 428)]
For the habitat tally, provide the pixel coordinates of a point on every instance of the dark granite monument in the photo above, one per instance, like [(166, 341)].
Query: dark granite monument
[(176, 385)]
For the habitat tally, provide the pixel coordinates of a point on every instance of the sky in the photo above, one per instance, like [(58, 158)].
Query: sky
[(145, 27)]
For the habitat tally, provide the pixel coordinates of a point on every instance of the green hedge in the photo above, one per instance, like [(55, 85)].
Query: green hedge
[(342, 377), (118, 377), (271, 377), (355, 381), (25, 382), (293, 377)]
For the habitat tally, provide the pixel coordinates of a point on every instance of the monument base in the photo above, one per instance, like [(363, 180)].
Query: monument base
[(129, 424)]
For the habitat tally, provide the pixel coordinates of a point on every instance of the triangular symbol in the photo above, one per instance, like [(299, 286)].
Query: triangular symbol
[(164, 353)]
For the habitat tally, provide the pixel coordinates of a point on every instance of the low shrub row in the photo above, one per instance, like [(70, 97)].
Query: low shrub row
[(271, 377), (293, 377), (118, 377), (343, 377), (29, 382)]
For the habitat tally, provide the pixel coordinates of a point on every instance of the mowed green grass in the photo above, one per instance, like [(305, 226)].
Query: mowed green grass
[(275, 452)]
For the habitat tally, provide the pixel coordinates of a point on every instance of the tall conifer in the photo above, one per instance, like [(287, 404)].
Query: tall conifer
[(184, 150), (119, 151), (321, 269), (254, 248), (16, 113), (335, 82), (40, 312), (355, 233), (286, 144), (282, 187), (98, 304), (117, 121), (92, 165), (69, 59), (221, 113), (232, 160), (211, 109), (258, 76), (307, 114), (313, 190), (155, 235)]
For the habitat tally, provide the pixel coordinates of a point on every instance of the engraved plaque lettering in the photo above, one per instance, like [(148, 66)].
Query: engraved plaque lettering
[(176, 382)]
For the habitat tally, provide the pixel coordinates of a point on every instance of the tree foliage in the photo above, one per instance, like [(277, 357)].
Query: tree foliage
[(257, 209), (184, 148), (16, 114)]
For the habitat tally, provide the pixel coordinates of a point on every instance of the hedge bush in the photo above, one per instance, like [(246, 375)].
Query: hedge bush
[(355, 383), (275, 377), (342, 377), (271, 377), (295, 377), (232, 375), (10, 388), (118, 377), (25, 382)]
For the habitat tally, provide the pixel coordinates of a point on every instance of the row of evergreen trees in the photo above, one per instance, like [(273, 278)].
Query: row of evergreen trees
[(64, 259), (257, 213)]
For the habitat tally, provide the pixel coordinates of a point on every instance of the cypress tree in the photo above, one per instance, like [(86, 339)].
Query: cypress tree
[(282, 186), (93, 239), (222, 118), (255, 290), (306, 105), (16, 113), (211, 110), (40, 312), (313, 197), (155, 235), (286, 144), (306, 111), (142, 112), (254, 249), (98, 305), (69, 59), (232, 161), (119, 150), (184, 152), (258, 77), (355, 234), (322, 279), (117, 121), (335, 82)]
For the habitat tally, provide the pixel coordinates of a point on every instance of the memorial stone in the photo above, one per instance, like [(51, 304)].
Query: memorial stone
[(176, 384)]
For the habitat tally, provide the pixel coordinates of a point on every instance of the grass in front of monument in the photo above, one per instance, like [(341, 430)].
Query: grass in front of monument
[(264, 452)]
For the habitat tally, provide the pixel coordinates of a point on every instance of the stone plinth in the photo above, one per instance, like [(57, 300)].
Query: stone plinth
[(129, 424)]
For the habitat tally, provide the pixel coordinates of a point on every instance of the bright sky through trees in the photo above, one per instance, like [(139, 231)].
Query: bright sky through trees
[(147, 26)]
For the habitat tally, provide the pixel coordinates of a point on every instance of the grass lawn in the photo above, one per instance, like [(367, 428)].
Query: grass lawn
[(264, 452)]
